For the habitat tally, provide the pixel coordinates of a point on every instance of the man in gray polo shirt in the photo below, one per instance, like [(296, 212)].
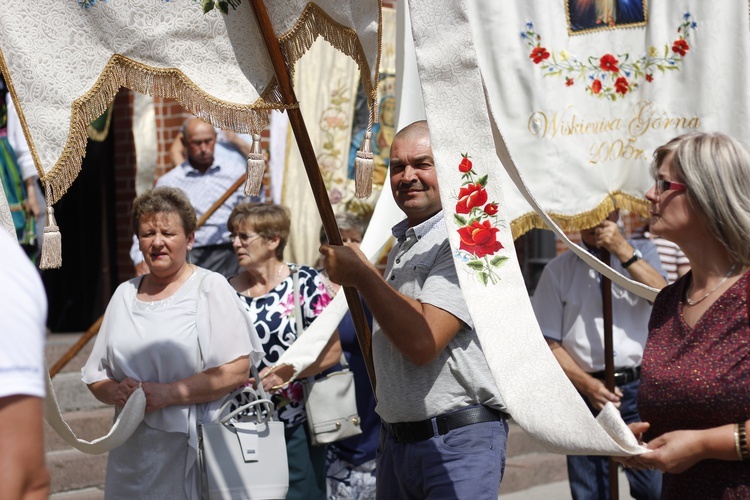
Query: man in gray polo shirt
[(444, 430)]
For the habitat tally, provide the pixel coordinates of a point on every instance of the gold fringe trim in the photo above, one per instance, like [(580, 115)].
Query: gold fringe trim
[(101, 135), (121, 72), (314, 22), (567, 223)]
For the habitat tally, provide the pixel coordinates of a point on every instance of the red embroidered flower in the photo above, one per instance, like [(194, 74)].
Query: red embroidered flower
[(490, 208), (649, 78), (608, 62), (680, 47), (479, 239), (596, 86), (569, 82), (621, 85), (465, 164), (539, 54), (470, 196)]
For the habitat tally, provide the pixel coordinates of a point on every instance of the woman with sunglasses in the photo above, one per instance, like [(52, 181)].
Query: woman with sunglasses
[(267, 285), (695, 381)]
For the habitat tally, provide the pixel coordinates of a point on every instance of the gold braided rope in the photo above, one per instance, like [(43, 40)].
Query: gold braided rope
[(521, 225)]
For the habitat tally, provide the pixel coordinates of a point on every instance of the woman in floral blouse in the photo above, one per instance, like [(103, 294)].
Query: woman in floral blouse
[(259, 233)]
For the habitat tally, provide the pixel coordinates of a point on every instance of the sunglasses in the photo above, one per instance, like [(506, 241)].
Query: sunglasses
[(665, 185)]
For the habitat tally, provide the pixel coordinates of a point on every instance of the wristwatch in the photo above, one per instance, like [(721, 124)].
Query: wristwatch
[(637, 255)]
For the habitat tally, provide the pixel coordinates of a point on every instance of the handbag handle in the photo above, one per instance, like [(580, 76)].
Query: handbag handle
[(262, 400)]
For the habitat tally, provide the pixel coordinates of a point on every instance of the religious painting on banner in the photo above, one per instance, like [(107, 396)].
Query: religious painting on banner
[(582, 109), (585, 15)]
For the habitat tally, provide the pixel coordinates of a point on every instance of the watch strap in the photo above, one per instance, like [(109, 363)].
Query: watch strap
[(635, 258)]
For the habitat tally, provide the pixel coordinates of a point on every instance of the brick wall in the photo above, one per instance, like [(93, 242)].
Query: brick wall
[(124, 159)]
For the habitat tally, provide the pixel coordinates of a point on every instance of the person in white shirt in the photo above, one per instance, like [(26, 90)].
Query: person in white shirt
[(568, 306), (23, 309)]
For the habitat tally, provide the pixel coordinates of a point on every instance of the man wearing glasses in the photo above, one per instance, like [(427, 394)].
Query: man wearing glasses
[(568, 306)]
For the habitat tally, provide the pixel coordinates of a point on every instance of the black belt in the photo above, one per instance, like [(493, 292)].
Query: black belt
[(622, 375), (410, 432)]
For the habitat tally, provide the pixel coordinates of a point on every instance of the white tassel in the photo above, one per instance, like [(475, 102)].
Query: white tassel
[(363, 168), (256, 168), (51, 243)]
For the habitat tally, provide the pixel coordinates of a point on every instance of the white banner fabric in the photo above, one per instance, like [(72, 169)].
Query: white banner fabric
[(583, 102), (536, 391)]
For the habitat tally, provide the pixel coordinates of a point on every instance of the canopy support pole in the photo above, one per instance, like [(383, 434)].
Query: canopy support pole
[(313, 174), (609, 361)]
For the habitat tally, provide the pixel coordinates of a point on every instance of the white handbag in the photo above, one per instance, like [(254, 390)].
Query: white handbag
[(331, 407), (331, 400), (243, 455)]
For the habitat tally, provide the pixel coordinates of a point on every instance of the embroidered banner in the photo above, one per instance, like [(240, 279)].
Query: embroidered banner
[(584, 91), (466, 72)]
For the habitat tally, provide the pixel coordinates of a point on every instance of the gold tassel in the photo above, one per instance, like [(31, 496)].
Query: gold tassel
[(363, 167), (51, 243), (256, 167)]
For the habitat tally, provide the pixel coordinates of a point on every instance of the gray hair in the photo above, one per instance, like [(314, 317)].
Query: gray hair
[(346, 221), (716, 169)]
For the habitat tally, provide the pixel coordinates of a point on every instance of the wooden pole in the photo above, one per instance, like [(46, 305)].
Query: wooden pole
[(218, 203), (609, 362), (313, 174), (94, 328)]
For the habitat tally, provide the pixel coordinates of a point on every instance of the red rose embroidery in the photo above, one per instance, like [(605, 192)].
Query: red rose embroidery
[(680, 47), (470, 196), (490, 208), (569, 82), (596, 87), (479, 239), (649, 78), (622, 86), (465, 164), (608, 62), (539, 54)]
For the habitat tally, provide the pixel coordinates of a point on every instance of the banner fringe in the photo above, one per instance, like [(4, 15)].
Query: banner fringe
[(171, 83), (569, 223), (314, 22)]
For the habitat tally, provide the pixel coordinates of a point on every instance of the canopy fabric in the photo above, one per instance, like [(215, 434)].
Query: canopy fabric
[(65, 60), (583, 104)]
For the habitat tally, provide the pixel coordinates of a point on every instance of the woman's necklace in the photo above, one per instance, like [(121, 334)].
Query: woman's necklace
[(723, 280)]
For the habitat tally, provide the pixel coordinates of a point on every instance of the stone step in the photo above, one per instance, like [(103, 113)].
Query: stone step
[(84, 494), (71, 470), (528, 463), (59, 343), (72, 394)]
